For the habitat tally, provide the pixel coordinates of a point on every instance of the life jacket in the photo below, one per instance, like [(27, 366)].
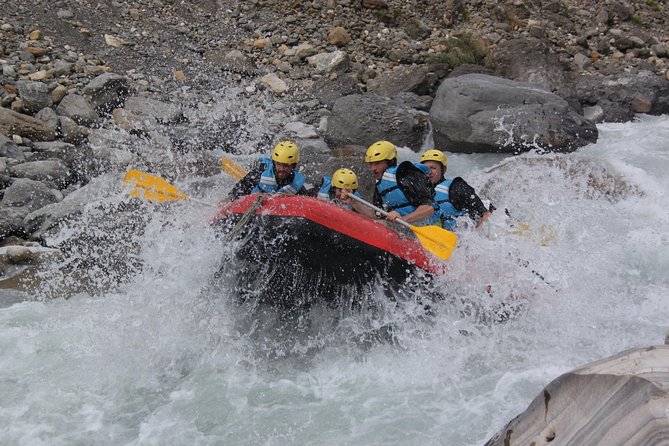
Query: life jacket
[(268, 180), (324, 192), (395, 200), (448, 213)]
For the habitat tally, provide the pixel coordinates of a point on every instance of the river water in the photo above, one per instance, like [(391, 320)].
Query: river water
[(165, 357)]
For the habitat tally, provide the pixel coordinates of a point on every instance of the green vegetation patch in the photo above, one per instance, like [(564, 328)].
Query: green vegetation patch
[(654, 5), (465, 49)]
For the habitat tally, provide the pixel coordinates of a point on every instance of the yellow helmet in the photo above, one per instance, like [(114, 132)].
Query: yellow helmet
[(286, 152), (345, 178), (379, 151), (434, 155)]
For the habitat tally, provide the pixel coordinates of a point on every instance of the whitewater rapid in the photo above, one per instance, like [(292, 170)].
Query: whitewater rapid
[(166, 358)]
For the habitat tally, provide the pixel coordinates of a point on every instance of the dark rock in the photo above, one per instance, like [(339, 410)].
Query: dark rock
[(78, 109), (9, 149), (107, 91), (49, 117), (35, 95), (52, 172), (328, 91), (480, 113), (364, 119), (615, 94), (411, 78), (29, 194), (529, 60)]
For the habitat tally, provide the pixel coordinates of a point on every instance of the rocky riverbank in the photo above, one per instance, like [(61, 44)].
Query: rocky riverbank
[(79, 78)]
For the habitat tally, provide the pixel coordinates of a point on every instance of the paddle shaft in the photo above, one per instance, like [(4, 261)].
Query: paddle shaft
[(378, 209)]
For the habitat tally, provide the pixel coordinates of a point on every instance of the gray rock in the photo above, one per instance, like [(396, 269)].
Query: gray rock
[(8, 71), (62, 68), (594, 113), (301, 130), (325, 63), (38, 222), (107, 91), (29, 194), (79, 109), (56, 149), (400, 79), (412, 100), (58, 94), (481, 113), (35, 95), (364, 119), (71, 131), (582, 61), (328, 91), (233, 61), (304, 50), (52, 172), (621, 400), (619, 94), (11, 221), (9, 149), (529, 60), (65, 14), (49, 117), (161, 112)]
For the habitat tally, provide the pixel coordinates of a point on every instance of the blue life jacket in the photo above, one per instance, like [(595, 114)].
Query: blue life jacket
[(324, 192), (448, 213), (268, 180), (395, 200)]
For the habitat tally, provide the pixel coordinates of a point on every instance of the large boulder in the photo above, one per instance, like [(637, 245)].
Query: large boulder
[(481, 113), (622, 400), (364, 119)]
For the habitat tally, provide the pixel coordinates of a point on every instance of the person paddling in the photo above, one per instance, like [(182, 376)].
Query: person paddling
[(403, 190), (277, 174), (332, 188), (455, 197)]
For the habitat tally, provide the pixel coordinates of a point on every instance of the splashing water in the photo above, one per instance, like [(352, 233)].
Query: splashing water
[(153, 353)]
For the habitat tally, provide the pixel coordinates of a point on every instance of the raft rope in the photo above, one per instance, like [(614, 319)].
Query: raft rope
[(257, 204)]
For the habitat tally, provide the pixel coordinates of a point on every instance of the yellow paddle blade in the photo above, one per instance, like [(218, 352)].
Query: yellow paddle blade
[(233, 169), (152, 188), (438, 241)]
